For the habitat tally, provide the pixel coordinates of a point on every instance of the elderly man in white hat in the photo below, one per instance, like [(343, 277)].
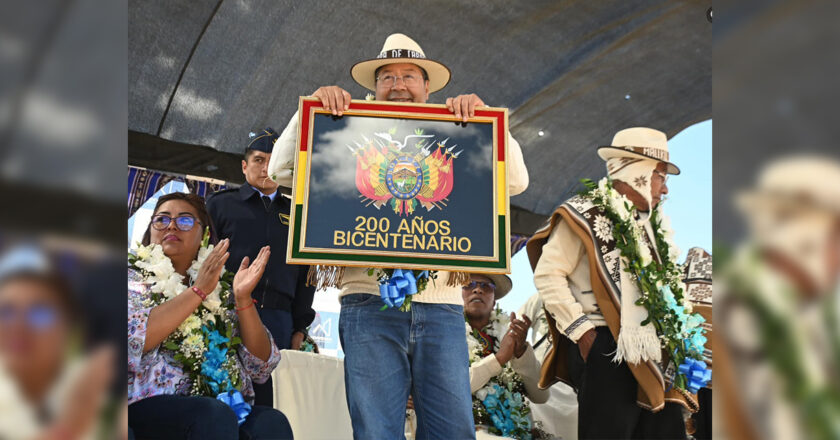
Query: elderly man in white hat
[(778, 305), (389, 353), (600, 346)]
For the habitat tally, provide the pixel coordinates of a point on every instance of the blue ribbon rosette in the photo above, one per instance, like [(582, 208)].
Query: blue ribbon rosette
[(234, 399), (696, 373), (401, 284)]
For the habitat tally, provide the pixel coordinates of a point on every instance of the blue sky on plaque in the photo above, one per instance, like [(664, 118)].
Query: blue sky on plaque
[(689, 204)]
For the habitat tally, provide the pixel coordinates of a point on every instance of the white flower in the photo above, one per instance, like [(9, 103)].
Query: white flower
[(602, 186), (192, 323), (194, 340), (370, 97), (482, 393), (196, 264), (173, 286), (157, 254), (668, 235), (143, 252), (619, 205), (603, 228), (644, 253), (214, 301)]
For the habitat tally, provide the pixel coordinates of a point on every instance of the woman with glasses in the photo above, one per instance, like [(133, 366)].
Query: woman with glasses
[(47, 390), (160, 404)]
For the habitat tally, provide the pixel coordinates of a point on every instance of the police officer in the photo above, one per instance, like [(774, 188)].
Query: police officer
[(253, 216)]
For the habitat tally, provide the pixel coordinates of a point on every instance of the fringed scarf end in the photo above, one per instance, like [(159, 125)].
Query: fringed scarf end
[(458, 279), (324, 276), (637, 346)]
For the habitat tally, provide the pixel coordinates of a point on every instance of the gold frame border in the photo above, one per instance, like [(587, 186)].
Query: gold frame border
[(405, 115)]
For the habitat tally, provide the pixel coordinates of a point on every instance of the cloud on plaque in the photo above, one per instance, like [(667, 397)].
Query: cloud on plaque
[(336, 164)]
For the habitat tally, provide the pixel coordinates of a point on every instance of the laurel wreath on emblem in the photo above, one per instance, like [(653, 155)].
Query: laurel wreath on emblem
[(401, 175)]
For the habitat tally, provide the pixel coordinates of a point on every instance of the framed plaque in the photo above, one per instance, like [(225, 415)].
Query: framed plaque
[(401, 185)]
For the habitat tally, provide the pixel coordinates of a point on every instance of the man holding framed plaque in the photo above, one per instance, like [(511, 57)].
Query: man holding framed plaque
[(390, 353)]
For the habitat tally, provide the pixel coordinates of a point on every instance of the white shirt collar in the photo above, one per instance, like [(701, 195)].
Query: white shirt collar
[(270, 196)]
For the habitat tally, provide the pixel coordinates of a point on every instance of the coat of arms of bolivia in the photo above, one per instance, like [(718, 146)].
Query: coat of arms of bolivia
[(401, 175)]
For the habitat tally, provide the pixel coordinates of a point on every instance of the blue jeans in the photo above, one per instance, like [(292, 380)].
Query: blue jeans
[(389, 353)]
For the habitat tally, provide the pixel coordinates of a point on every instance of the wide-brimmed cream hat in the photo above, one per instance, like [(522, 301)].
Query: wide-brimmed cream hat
[(805, 181), (399, 48), (503, 284), (639, 142)]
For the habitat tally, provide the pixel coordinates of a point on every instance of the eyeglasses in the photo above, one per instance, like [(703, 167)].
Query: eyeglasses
[(664, 176), (182, 222), (485, 286), (38, 317), (388, 81)]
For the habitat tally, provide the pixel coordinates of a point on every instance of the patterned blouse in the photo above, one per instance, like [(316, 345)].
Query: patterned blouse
[(156, 372)]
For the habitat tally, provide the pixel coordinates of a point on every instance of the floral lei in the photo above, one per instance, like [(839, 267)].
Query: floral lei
[(205, 343), (660, 284), (817, 404), (500, 404)]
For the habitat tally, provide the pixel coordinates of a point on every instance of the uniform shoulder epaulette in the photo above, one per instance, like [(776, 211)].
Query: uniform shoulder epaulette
[(224, 191)]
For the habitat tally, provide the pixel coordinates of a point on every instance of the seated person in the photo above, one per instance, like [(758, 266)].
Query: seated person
[(503, 368), (167, 287)]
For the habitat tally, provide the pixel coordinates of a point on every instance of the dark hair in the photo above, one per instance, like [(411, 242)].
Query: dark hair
[(196, 202), (376, 72)]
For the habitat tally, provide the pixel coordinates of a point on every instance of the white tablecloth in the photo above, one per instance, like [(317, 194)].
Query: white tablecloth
[(309, 390)]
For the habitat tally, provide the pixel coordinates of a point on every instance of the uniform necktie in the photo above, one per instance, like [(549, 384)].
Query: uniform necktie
[(267, 202)]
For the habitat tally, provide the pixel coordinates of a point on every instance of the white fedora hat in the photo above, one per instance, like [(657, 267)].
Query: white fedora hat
[(399, 48), (639, 142)]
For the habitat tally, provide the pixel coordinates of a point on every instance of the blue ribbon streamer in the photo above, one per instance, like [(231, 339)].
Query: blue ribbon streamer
[(234, 399), (401, 284), (696, 373)]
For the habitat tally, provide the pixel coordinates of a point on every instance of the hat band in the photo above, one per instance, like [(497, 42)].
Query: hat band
[(656, 153), (401, 53)]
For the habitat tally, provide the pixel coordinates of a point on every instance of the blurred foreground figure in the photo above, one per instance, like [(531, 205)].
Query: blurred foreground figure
[(47, 391), (778, 368)]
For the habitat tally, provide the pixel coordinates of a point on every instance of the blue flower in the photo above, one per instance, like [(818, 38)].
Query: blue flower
[(214, 358), (504, 410), (695, 344), (695, 320)]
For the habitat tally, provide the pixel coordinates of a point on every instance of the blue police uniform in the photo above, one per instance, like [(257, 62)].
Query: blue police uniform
[(284, 302)]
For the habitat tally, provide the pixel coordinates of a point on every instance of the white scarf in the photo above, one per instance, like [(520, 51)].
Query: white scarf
[(635, 342)]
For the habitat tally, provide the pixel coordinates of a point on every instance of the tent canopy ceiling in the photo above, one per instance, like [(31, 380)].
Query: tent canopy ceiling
[(204, 73)]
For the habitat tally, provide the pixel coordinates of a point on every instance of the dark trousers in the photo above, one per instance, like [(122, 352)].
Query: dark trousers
[(279, 324), (202, 418), (607, 398), (703, 418)]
